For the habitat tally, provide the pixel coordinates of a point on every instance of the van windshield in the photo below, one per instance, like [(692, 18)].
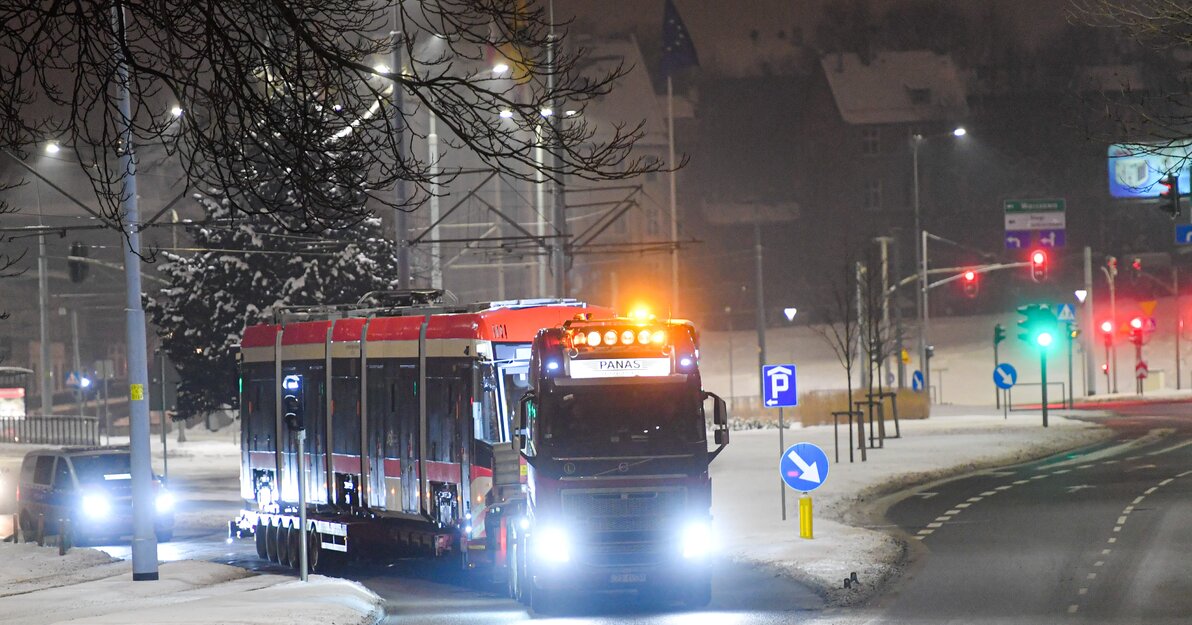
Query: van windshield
[(102, 467)]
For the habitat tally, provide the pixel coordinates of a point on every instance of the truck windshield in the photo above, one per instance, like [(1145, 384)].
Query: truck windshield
[(629, 418)]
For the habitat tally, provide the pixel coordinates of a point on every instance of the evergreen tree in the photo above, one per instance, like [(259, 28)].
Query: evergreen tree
[(253, 265)]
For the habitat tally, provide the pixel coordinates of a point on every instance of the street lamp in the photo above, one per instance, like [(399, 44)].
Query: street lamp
[(917, 140)]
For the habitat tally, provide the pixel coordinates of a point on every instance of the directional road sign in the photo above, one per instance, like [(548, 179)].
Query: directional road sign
[(1051, 238), (804, 467), (1018, 239), (1140, 371), (778, 386), (1065, 312), (1034, 214), (917, 380), (1183, 234), (1005, 375)]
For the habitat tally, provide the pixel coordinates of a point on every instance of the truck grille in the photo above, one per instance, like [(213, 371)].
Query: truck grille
[(624, 526)]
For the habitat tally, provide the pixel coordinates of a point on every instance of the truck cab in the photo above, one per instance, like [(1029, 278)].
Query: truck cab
[(613, 436)]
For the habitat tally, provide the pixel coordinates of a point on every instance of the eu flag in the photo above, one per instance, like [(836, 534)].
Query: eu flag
[(677, 50)]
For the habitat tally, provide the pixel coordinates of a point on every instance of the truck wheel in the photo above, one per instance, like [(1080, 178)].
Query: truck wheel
[(271, 543), (283, 544), (259, 535)]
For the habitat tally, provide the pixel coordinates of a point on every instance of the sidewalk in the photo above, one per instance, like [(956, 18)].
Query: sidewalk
[(86, 587), (745, 491)]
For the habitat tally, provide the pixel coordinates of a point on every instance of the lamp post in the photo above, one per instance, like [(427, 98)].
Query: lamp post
[(1110, 270), (917, 140)]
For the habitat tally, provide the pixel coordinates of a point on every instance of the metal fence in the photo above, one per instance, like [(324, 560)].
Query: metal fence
[(37, 430)]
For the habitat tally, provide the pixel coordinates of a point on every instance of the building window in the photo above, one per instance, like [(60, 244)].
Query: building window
[(871, 140), (873, 195), (920, 96)]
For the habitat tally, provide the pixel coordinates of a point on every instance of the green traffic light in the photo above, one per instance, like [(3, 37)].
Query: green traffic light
[(1043, 339)]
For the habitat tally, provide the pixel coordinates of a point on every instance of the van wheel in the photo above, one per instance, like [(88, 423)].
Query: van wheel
[(259, 535), (26, 524), (283, 544), (271, 543)]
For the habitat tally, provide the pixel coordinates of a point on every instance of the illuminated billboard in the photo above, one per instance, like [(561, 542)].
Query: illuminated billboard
[(1135, 169)]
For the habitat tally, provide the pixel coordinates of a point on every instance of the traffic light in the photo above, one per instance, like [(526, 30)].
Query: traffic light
[(78, 268), (1107, 331), (1136, 330), (1038, 265), (1136, 269), (969, 280), (999, 334), (1169, 197), (1038, 326), (291, 402)]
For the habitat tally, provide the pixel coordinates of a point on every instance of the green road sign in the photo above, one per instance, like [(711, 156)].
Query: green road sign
[(1056, 205)]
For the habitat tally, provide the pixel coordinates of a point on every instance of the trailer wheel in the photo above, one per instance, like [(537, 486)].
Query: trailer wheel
[(294, 546), (314, 551), (271, 543), (259, 535), (283, 544)]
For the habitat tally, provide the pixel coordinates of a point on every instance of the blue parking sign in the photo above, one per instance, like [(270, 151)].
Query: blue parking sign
[(778, 386)]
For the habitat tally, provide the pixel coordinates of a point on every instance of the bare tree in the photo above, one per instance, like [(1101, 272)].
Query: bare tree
[(222, 83), (9, 259), (879, 339), (842, 331)]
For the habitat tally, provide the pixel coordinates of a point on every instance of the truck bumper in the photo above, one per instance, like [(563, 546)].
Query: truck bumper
[(578, 576)]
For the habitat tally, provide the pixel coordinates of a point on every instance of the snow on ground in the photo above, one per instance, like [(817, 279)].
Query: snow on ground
[(86, 587), (745, 491)]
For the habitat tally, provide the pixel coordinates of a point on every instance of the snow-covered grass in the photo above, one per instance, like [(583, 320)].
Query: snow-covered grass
[(745, 491), (88, 587)]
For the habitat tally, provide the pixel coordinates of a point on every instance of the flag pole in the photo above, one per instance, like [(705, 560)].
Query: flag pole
[(674, 229)]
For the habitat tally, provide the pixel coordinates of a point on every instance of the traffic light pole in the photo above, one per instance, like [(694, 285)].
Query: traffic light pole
[(1043, 378), (1071, 388), (997, 392), (302, 572)]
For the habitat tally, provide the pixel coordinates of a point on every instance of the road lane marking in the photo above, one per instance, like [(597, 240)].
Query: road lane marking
[(1085, 466), (1021, 482), (1038, 477), (1061, 471), (1172, 448), (1099, 563), (1184, 474), (1151, 490), (1073, 608), (1138, 499), (1106, 552), (1006, 487), (1128, 510), (925, 532), (1083, 591), (974, 499), (942, 519), (952, 512), (963, 505), (1167, 481), (917, 537), (1092, 576), (1117, 528), (935, 525), (1112, 540), (989, 493), (1121, 520)]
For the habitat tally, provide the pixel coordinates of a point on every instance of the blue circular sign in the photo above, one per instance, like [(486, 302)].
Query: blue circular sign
[(1005, 375), (804, 467)]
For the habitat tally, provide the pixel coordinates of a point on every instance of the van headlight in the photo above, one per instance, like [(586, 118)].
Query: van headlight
[(696, 540), (552, 544), (96, 506), (165, 501)]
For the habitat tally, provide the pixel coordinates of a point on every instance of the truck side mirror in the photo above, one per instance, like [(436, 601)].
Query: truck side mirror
[(720, 431), (521, 419)]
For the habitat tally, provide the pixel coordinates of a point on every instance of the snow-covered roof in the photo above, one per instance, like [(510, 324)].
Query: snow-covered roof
[(895, 87)]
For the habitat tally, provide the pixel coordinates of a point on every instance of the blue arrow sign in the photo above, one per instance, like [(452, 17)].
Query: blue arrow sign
[(1051, 238), (778, 386), (1018, 239), (804, 467), (1183, 234), (917, 380), (1005, 375)]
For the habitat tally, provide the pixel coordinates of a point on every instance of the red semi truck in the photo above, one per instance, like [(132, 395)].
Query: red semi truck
[(547, 440)]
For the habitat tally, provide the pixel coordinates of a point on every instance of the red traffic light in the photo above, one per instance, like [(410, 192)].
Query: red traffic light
[(1105, 367), (1136, 323), (970, 275), (1038, 265), (1107, 327), (969, 281)]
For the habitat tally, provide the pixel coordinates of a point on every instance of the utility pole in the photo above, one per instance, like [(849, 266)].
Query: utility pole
[(144, 542), (761, 302), (74, 339), (558, 213), (1090, 325), (400, 221), (43, 306), (899, 346), (923, 317), (432, 149), (884, 242)]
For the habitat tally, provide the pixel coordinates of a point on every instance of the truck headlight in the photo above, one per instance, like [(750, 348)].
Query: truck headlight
[(165, 501), (696, 540), (96, 506), (552, 544)]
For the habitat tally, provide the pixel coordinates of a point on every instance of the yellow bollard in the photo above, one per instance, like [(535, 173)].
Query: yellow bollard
[(805, 516)]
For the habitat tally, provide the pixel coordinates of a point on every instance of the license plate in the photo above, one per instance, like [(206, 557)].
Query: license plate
[(628, 578)]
